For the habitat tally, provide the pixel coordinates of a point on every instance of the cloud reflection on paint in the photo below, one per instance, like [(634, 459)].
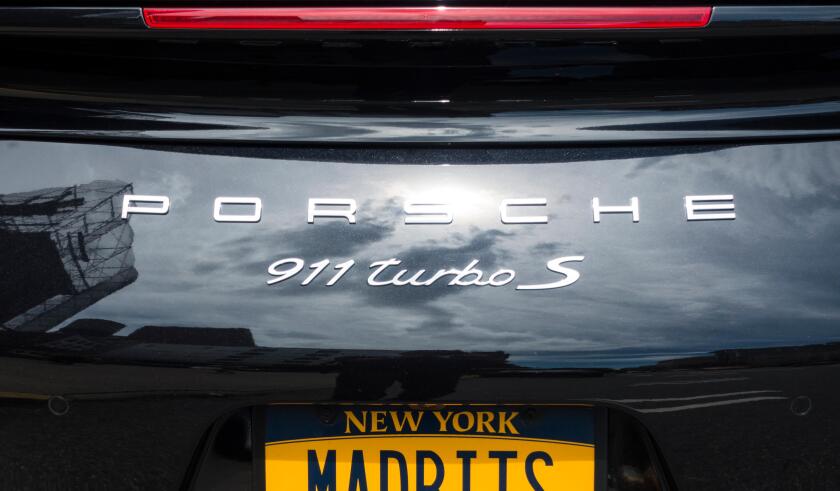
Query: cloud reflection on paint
[(766, 278)]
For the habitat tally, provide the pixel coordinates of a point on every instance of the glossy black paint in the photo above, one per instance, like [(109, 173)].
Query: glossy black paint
[(70, 20), (394, 88), (632, 334), (127, 346)]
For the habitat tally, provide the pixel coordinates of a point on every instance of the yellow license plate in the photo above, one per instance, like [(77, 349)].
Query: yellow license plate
[(429, 448)]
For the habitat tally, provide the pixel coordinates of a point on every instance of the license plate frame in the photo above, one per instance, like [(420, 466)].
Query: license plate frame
[(572, 437)]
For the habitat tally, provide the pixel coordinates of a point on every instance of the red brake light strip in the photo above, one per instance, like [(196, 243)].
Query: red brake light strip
[(427, 18)]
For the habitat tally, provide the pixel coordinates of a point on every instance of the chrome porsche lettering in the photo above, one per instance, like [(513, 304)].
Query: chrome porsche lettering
[(697, 207), (346, 209), (428, 213), (391, 273), (598, 209), (254, 217), (506, 203), (130, 206)]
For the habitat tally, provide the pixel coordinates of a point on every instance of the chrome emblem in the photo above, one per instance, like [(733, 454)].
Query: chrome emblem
[(387, 272)]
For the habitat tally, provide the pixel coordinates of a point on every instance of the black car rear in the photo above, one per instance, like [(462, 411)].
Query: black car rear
[(593, 246)]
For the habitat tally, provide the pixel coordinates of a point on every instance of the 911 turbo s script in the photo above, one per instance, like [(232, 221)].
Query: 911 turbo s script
[(387, 273)]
